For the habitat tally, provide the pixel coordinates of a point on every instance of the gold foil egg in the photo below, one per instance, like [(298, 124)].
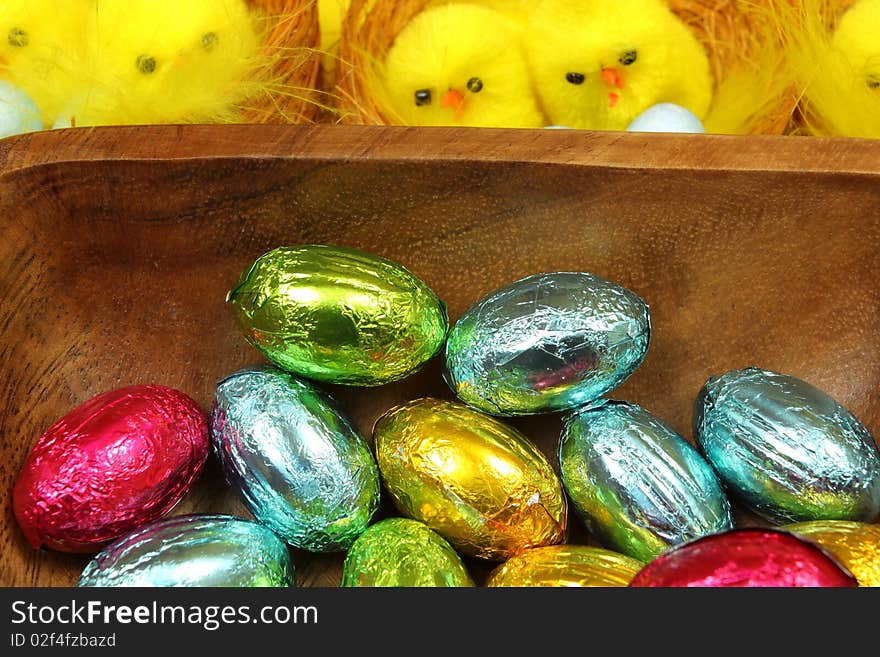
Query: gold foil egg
[(855, 544), (566, 565), (474, 480)]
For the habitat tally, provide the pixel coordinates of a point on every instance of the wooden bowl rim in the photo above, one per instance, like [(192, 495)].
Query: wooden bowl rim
[(390, 143)]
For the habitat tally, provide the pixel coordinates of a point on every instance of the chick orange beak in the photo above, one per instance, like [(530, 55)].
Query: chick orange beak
[(454, 99), (613, 78)]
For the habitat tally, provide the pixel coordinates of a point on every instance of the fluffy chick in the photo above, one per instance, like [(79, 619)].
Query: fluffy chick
[(598, 65), (839, 72), (459, 64), (41, 49), (858, 38), (165, 61)]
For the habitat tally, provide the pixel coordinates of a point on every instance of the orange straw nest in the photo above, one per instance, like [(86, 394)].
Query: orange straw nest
[(740, 33), (292, 35), (368, 32), (732, 31)]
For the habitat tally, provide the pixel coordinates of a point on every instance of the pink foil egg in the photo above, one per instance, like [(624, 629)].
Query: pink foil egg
[(745, 558), (118, 461)]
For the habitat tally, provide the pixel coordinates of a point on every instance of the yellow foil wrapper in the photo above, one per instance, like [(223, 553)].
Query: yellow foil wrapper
[(474, 480), (566, 565), (855, 544)]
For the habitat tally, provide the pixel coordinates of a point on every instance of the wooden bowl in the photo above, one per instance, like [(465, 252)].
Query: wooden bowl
[(118, 245)]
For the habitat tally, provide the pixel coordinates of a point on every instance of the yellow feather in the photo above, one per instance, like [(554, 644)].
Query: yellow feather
[(464, 52), (747, 99), (330, 16), (838, 71), (571, 42)]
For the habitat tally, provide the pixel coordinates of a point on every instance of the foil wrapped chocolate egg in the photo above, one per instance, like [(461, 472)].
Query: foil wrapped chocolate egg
[(399, 552), (118, 461), (638, 485), (745, 558), (546, 343), (475, 481), (301, 467), (786, 449), (196, 550), (855, 544), (338, 315), (566, 565)]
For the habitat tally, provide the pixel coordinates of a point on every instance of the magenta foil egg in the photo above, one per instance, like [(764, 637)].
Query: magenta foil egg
[(118, 461)]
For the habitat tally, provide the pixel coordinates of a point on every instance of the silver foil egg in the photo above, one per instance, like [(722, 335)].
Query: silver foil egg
[(301, 467), (787, 449), (197, 550), (546, 343), (638, 485)]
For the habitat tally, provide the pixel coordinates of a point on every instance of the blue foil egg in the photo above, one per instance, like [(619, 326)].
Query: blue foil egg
[(546, 343), (639, 486), (787, 449), (301, 467), (197, 550)]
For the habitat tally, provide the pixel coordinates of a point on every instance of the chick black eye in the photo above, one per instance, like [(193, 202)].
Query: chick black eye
[(475, 85), (209, 41), (874, 81), (146, 64), (423, 97), (18, 38), (628, 57), (575, 78)]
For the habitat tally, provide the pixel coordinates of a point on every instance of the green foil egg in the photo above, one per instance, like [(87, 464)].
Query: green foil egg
[(338, 315), (399, 552)]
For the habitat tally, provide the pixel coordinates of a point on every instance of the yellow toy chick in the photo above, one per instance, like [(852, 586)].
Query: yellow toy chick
[(459, 64), (598, 65), (41, 48), (840, 72), (164, 61)]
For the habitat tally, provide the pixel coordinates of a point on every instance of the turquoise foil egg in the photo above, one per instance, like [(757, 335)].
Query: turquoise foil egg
[(786, 449), (301, 467), (196, 550), (639, 486), (546, 343)]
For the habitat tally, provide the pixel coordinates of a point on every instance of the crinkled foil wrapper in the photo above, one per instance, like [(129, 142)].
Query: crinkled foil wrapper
[(399, 552), (118, 461), (638, 485), (746, 558), (566, 565), (477, 482), (301, 467), (338, 315), (786, 449), (196, 550), (855, 544), (546, 343)]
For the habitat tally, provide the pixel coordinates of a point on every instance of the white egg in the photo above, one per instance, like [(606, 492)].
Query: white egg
[(667, 117), (556, 127), (63, 121), (18, 113)]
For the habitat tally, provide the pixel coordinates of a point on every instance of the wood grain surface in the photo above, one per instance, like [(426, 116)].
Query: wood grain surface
[(117, 246)]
